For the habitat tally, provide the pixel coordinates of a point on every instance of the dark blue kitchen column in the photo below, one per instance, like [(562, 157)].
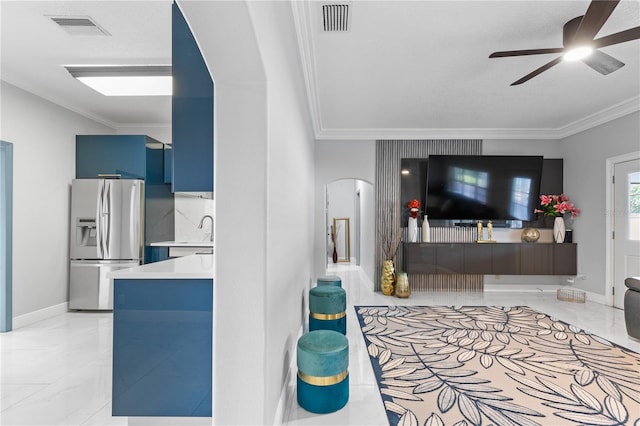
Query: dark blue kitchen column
[(191, 111)]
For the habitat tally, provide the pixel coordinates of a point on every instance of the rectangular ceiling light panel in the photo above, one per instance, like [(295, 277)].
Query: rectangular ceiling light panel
[(126, 80)]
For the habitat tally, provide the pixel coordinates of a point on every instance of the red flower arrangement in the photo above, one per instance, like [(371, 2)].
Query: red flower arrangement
[(556, 205), (414, 208)]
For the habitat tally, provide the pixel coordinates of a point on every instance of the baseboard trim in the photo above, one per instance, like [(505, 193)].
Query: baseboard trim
[(534, 288), (597, 298), (288, 388), (39, 315), (591, 297)]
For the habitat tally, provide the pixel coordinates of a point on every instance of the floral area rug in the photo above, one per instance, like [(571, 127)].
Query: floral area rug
[(484, 365)]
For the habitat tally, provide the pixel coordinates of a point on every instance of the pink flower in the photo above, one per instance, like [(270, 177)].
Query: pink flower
[(545, 200), (556, 205)]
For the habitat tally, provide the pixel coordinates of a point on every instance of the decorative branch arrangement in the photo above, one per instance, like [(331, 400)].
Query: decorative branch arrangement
[(390, 234)]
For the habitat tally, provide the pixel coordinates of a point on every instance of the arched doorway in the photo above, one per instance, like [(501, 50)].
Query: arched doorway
[(350, 205)]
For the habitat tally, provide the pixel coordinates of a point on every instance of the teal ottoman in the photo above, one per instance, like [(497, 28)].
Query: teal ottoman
[(327, 309), (323, 375), (330, 280)]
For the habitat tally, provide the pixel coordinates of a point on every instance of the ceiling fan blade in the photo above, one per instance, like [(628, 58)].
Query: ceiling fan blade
[(595, 17), (616, 38), (602, 62), (538, 71), (526, 52)]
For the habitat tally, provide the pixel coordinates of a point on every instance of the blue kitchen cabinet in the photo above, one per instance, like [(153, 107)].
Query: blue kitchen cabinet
[(129, 156), (192, 112), (123, 155), (155, 254), (162, 347), (132, 157), (168, 163)]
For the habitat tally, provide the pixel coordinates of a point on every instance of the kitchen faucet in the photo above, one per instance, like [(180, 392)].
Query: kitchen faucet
[(202, 222)]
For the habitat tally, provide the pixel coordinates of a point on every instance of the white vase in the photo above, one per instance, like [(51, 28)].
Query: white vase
[(413, 230), (558, 230), (426, 230)]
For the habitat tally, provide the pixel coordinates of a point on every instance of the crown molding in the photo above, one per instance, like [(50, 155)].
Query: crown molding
[(150, 125), (603, 116), (302, 21), (432, 133)]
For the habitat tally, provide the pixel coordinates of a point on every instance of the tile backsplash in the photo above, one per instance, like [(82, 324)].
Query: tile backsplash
[(190, 208)]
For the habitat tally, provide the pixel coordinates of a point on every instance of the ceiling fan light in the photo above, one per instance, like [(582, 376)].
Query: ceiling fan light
[(578, 53)]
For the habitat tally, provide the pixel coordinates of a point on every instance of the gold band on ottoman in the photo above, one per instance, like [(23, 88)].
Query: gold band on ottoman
[(323, 381), (327, 316)]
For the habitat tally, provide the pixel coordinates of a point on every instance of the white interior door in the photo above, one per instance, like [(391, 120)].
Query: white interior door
[(626, 228)]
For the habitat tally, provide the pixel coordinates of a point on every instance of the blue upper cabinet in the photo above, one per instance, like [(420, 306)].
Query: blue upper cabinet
[(192, 112), (123, 155), (129, 156)]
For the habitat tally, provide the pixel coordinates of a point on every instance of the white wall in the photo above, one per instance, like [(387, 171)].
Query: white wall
[(43, 135), (290, 193), (546, 148), (585, 181), (337, 160), (264, 201), (368, 229)]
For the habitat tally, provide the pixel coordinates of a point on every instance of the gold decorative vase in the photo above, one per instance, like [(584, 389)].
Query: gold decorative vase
[(388, 282), (403, 289), (530, 235)]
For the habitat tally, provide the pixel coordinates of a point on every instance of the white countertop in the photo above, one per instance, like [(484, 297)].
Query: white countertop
[(195, 266), (183, 244)]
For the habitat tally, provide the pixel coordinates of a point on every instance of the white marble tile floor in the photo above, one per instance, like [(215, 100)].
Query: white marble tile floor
[(58, 371)]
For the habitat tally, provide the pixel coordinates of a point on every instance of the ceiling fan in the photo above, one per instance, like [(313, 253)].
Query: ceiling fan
[(579, 42)]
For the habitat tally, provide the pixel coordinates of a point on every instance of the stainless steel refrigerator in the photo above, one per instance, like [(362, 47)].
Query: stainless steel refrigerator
[(106, 234)]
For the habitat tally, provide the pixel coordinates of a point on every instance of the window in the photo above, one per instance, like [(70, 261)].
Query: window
[(520, 192), (470, 184)]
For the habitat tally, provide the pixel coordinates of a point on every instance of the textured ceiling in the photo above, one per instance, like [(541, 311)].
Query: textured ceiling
[(422, 68), (405, 69)]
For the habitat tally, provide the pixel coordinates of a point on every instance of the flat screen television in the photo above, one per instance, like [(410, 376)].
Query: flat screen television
[(488, 187)]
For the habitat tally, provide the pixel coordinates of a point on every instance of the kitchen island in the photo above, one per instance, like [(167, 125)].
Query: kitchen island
[(162, 338)]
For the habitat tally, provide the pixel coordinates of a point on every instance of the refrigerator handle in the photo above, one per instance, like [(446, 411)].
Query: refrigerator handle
[(134, 213), (99, 224), (108, 217)]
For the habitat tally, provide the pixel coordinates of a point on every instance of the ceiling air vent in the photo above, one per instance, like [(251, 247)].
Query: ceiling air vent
[(335, 17), (79, 25)]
